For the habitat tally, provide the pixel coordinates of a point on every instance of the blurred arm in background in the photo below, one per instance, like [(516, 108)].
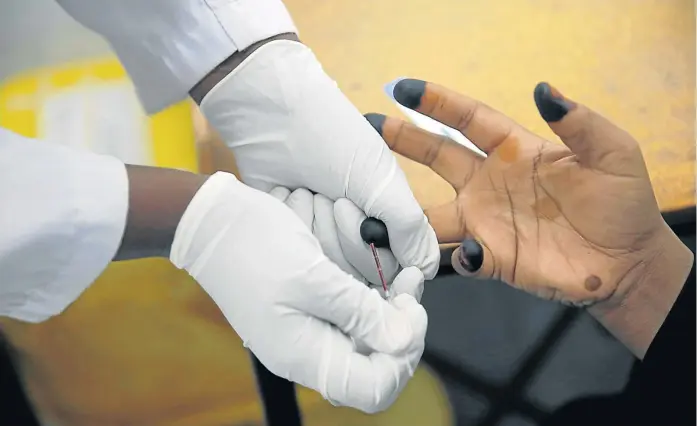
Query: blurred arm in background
[(169, 46), (65, 216)]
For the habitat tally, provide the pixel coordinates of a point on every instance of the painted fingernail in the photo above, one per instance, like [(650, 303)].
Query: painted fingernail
[(409, 91), (553, 106), (471, 255), (376, 120)]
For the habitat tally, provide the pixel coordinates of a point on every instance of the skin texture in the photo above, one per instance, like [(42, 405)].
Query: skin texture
[(576, 223), (157, 199)]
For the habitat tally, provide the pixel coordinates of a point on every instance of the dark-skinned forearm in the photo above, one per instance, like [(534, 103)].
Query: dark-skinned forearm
[(157, 200)]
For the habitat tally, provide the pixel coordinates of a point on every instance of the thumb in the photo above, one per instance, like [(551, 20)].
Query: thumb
[(407, 289), (361, 313), (595, 140), (412, 239), (473, 259)]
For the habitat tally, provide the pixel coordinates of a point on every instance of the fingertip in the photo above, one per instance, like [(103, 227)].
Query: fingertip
[(472, 259), (416, 312), (409, 92), (371, 319), (280, 193), (301, 202), (411, 273), (409, 281), (323, 207), (376, 120), (551, 104), (404, 325), (321, 198), (431, 270), (374, 232), (433, 262), (348, 216), (301, 193), (344, 204), (471, 255)]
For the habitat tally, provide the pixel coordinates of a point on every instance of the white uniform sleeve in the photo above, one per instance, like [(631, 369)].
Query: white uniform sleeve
[(62, 217), (167, 46)]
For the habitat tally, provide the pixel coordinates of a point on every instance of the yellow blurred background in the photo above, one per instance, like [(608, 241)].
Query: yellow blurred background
[(144, 345)]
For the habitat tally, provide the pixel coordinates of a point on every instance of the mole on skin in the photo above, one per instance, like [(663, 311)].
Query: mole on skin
[(592, 283)]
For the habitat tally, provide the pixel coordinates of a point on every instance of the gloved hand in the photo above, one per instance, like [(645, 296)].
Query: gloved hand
[(288, 124), (290, 305), (337, 227)]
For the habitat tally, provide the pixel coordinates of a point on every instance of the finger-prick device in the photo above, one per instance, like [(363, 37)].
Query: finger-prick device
[(374, 233)]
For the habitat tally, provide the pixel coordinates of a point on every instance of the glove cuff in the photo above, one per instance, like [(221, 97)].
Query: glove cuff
[(220, 187)]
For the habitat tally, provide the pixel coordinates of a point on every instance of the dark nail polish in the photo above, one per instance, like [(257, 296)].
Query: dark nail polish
[(551, 104), (374, 231), (409, 91), (376, 120), (471, 255)]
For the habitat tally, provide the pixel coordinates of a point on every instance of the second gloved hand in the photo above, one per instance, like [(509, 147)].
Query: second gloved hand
[(292, 307), (289, 125), (337, 227)]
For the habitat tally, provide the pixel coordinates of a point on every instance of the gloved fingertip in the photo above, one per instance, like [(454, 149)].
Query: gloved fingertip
[(280, 193), (344, 204), (409, 281), (417, 318), (432, 257), (431, 270), (403, 301)]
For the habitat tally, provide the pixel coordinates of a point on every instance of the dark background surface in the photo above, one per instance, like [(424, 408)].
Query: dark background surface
[(508, 358)]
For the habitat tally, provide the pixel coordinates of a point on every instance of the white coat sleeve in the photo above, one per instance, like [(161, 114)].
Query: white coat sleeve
[(167, 46), (62, 217)]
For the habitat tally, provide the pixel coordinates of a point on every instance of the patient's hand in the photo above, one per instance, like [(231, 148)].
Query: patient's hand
[(577, 222)]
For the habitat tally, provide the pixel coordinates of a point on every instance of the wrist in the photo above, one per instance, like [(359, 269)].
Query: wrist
[(282, 116), (217, 207), (646, 295), (207, 83), (157, 200)]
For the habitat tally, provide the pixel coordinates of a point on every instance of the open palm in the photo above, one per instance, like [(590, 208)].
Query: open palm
[(566, 222)]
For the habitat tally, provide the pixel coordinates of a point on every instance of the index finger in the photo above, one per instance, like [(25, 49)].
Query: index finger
[(481, 124), (452, 161)]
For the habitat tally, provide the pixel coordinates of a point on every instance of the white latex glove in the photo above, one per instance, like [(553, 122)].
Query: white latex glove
[(290, 125), (291, 306), (337, 227)]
